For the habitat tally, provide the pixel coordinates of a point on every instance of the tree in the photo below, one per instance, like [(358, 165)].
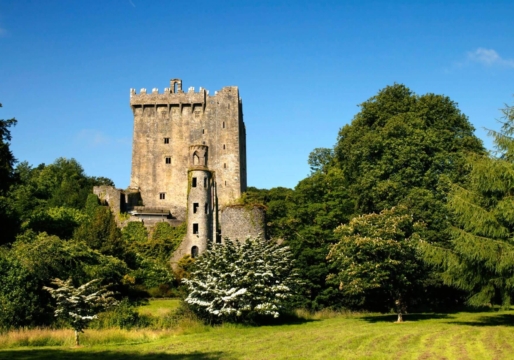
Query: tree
[(376, 258), (7, 159), (9, 222), (399, 148), (101, 233), (239, 281), (78, 306), (481, 257)]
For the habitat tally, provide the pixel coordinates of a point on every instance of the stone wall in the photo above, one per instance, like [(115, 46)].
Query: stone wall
[(238, 222), (167, 124)]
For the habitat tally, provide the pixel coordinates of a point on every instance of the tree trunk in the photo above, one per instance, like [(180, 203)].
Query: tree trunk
[(77, 338), (400, 317), (399, 310)]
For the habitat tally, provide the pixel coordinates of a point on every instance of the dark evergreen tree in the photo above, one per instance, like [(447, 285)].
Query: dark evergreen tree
[(481, 258)]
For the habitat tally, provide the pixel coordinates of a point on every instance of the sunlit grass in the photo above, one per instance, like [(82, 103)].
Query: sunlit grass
[(159, 307), (322, 335)]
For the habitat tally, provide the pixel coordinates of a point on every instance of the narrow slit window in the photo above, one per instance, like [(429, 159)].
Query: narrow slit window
[(203, 131), (168, 160), (195, 228), (162, 196), (223, 124), (225, 182), (166, 140), (193, 182), (225, 165), (223, 146), (205, 182), (206, 208), (195, 208)]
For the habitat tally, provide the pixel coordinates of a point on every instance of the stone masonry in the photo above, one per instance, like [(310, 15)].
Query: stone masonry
[(167, 124)]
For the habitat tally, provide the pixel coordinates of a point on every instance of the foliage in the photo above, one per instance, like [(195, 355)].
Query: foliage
[(61, 221), (9, 223), (481, 259), (239, 281), (376, 258), (7, 160), (164, 241), (184, 267), (320, 159), (397, 149), (134, 232), (124, 316), (19, 301), (101, 233), (78, 306)]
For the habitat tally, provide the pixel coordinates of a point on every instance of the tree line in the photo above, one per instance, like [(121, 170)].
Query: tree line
[(406, 212)]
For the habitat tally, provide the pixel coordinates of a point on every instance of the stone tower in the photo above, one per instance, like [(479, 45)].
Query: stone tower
[(167, 125), (188, 163), (201, 204)]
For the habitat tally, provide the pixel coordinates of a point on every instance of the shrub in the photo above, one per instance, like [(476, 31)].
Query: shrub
[(239, 282)]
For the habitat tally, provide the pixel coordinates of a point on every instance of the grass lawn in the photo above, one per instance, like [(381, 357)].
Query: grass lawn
[(159, 307), (486, 335)]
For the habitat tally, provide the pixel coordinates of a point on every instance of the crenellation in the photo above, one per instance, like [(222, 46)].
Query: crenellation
[(179, 134)]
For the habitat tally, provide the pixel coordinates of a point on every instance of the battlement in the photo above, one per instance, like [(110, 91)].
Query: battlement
[(174, 95)]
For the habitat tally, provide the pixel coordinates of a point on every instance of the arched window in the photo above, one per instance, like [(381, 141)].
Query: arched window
[(194, 252), (196, 158)]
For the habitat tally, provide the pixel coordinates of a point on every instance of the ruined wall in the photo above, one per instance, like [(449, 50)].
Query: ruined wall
[(238, 222), (166, 124)]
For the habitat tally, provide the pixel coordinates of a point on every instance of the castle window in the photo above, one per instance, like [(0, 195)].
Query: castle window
[(195, 208), (206, 208), (223, 124), (225, 182), (194, 252), (205, 182), (225, 165), (223, 146), (195, 228), (168, 160), (162, 196), (166, 140), (203, 131), (193, 182)]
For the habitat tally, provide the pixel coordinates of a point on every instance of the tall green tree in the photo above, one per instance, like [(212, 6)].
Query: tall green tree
[(375, 260), (400, 147), (7, 159), (9, 222), (481, 258)]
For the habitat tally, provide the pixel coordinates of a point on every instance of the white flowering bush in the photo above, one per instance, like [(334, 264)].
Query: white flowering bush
[(238, 281), (79, 306)]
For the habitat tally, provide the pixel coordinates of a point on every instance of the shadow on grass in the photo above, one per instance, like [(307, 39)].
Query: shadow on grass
[(493, 320), (406, 317), (284, 319), (51, 354)]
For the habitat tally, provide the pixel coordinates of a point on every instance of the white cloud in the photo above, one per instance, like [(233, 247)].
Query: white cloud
[(489, 57)]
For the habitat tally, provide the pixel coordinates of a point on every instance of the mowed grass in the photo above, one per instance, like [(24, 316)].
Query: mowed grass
[(486, 335)]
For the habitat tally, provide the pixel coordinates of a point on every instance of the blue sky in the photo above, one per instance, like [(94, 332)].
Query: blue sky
[(302, 68)]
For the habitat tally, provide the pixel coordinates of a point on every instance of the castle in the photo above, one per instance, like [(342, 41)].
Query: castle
[(188, 164)]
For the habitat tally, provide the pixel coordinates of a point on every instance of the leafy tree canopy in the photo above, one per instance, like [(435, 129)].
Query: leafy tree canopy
[(7, 159), (397, 148), (376, 259)]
